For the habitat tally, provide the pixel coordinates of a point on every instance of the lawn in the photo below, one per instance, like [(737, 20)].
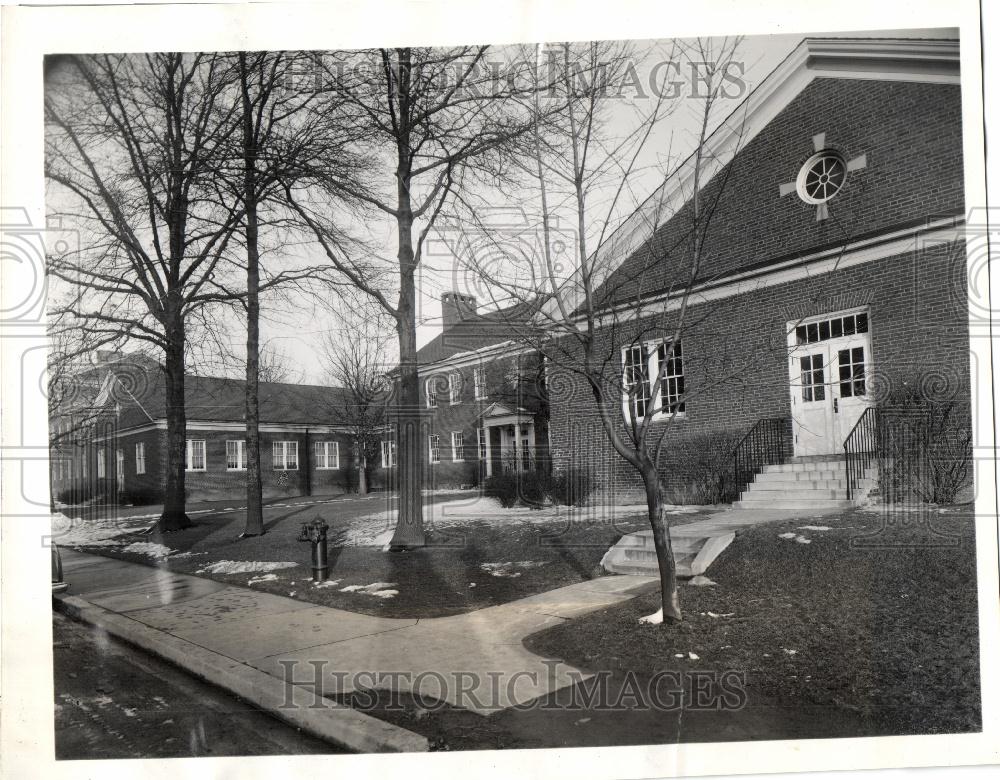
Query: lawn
[(477, 555), (830, 640)]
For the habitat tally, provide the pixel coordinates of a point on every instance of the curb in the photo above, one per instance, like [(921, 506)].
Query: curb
[(319, 717)]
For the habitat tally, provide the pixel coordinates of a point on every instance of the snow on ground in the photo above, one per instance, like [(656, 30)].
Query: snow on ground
[(262, 578), (382, 590), (244, 567), (150, 549), (507, 568), (814, 528), (100, 532)]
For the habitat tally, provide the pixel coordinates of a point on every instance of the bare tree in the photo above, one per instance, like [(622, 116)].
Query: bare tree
[(356, 360), (596, 326), (435, 118)]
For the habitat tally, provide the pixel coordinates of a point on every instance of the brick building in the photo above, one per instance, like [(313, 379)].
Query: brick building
[(483, 394), (109, 437), (833, 272)]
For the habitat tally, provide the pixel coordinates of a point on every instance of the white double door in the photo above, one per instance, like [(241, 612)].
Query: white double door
[(830, 390)]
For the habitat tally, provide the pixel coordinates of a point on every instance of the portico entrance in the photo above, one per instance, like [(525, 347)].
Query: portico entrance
[(506, 440)]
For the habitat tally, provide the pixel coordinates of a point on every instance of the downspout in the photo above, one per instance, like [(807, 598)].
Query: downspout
[(307, 462)]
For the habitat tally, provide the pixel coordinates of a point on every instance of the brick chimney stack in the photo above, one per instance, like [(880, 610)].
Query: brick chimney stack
[(455, 307)]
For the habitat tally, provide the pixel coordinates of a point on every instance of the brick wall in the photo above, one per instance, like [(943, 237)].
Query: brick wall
[(919, 333)]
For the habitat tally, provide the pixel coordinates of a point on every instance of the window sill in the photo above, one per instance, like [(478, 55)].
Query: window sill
[(241, 468), (328, 468), (294, 469), (458, 460)]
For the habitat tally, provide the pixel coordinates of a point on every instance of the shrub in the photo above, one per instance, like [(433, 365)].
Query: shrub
[(502, 487), (926, 446), (571, 487), (79, 493), (702, 468), (535, 487)]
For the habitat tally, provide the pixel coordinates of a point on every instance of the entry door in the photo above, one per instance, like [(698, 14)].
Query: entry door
[(829, 392)]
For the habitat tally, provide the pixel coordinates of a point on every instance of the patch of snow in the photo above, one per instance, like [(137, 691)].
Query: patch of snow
[(701, 580), (129, 712), (694, 656), (803, 540), (655, 619), (99, 532), (789, 535), (262, 578), (814, 528), (375, 589), (790, 652), (720, 615), (244, 567), (472, 584), (150, 549), (325, 584), (188, 554), (678, 655), (507, 568)]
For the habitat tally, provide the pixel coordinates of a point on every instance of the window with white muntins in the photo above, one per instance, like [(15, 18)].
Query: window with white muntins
[(430, 392), (140, 458), (194, 455), (285, 455), (236, 455), (479, 383), (434, 447), (455, 388), (388, 454), (457, 446), (327, 454), (641, 362)]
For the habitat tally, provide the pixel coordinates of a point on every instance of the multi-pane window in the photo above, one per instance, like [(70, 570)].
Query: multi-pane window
[(852, 372), (120, 465), (140, 458), (434, 447), (327, 454), (834, 328), (671, 378), (388, 454), (455, 387), (285, 455), (236, 454), (641, 362), (457, 446), (813, 382), (636, 380), (101, 467), (482, 443), (194, 455), (430, 385), (479, 383)]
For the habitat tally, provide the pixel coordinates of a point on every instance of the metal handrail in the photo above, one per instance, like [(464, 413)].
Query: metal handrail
[(767, 443), (861, 447)]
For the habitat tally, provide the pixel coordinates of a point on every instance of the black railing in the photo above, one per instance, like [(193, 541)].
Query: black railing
[(767, 443), (862, 447)]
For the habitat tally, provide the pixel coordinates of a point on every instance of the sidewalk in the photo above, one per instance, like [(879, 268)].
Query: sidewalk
[(248, 641)]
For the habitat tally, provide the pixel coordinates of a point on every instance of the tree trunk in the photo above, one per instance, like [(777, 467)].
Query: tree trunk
[(255, 512), (663, 546), (409, 531), (362, 471), (174, 516)]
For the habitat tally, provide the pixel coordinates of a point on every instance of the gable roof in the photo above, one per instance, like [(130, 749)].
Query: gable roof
[(915, 60), (475, 331), (141, 399)]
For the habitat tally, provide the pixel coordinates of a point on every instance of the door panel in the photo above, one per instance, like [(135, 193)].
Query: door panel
[(829, 390)]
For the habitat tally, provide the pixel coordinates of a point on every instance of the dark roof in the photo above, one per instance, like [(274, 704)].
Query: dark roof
[(215, 399), (478, 331)]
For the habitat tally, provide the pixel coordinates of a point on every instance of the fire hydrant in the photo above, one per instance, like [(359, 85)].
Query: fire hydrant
[(315, 532)]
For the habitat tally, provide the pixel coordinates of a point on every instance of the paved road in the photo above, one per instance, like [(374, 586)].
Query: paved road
[(113, 701)]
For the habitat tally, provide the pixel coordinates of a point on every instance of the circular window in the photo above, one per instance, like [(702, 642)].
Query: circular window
[(822, 176)]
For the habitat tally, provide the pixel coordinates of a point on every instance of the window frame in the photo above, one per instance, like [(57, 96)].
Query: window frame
[(481, 441), (324, 446), (434, 447), (241, 454), (189, 454), (458, 452), (120, 465), (455, 388), (479, 383), (430, 396), (654, 409), (285, 449), (388, 453), (140, 457)]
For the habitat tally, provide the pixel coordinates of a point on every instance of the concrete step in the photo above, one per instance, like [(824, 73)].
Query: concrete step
[(804, 504), (635, 554), (762, 491), (820, 465), (798, 484), (801, 476)]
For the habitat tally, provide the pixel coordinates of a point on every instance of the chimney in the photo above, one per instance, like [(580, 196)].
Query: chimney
[(456, 307), (102, 357)]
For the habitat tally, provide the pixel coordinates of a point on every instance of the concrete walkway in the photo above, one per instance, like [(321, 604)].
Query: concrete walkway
[(476, 660), (696, 545)]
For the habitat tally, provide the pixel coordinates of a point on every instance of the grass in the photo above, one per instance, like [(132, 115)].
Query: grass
[(456, 572)]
